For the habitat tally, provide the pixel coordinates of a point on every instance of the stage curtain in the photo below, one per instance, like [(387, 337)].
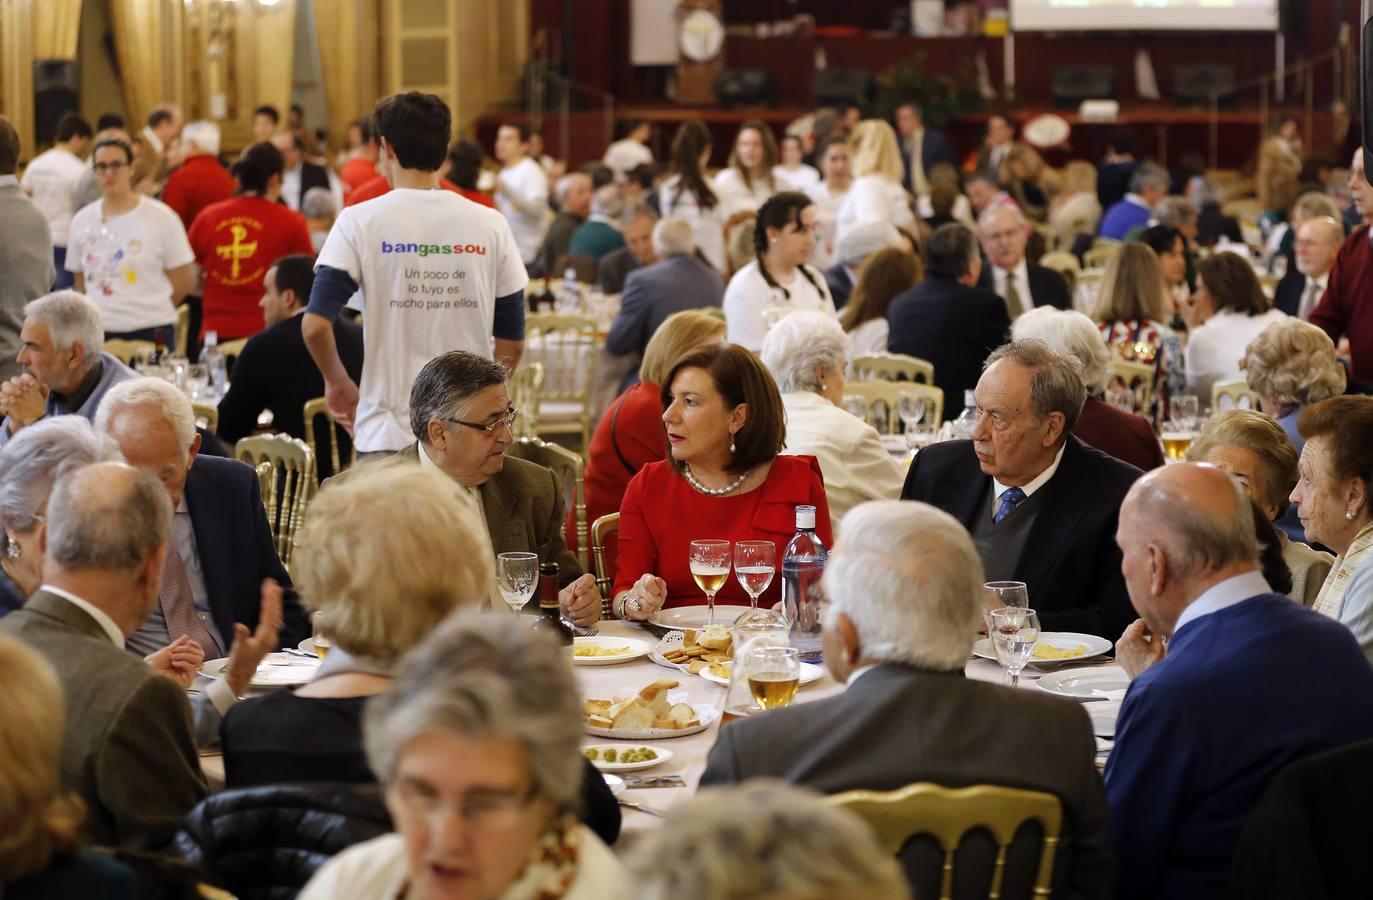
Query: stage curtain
[(347, 32), (16, 70), (149, 45), (56, 30)]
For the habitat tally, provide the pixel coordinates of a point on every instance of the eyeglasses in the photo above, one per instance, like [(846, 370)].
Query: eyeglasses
[(507, 421), (109, 167), (487, 811)]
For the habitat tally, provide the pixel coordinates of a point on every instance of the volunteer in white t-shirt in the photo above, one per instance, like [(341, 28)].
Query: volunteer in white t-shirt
[(522, 190), (433, 272), (52, 179), (631, 150), (828, 195), (792, 173), (129, 252), (686, 194), (778, 282), (748, 181)]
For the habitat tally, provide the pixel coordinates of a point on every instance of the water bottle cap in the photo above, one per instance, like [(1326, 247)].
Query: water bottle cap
[(805, 517)]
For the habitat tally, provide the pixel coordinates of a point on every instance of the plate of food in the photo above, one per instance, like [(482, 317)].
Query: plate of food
[(618, 758), (276, 670), (1104, 684), (650, 715), (607, 651), (692, 650), (720, 673), (1054, 647), (682, 618)]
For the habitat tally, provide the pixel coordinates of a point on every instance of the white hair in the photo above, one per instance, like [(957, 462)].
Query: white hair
[(150, 395), (799, 343), (909, 578), (984, 221), (566, 183), (861, 240), (40, 455), (1068, 333), (674, 237), (205, 136), (71, 319), (318, 203), (608, 201)]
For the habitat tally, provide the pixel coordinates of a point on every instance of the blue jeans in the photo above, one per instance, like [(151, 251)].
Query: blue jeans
[(64, 278), (147, 334)]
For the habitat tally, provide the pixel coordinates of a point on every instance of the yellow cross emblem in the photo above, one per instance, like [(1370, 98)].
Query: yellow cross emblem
[(237, 250)]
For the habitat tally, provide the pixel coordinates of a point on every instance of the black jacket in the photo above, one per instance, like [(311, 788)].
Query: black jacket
[(1047, 287), (1070, 563), (953, 326), (840, 284), (934, 149), (1287, 295)]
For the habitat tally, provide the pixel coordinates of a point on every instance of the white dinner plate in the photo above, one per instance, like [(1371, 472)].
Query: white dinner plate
[(810, 672), (308, 645), (1110, 684), (663, 756), (1059, 640), (615, 783), (276, 670), (683, 617), (1103, 719), (706, 713), (636, 649)]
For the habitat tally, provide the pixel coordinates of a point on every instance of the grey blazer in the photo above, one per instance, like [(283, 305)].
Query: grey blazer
[(27, 263), (898, 725), (656, 292), (127, 747)]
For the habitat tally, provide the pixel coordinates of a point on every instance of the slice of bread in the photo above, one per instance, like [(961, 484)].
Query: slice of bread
[(634, 718), (599, 722)]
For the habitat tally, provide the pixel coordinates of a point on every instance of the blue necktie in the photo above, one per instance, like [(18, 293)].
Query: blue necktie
[(1010, 499)]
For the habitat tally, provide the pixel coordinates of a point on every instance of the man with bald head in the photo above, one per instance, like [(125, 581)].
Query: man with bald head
[(1317, 244), (1214, 710), (1004, 232)]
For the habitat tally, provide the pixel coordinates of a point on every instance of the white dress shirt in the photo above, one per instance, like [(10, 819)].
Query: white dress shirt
[(294, 197), (1225, 594), (1021, 274), (1215, 348), (474, 494), (1035, 484)]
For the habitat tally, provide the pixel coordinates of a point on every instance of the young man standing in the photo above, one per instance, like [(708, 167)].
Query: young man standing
[(521, 190), (434, 272), (51, 180)]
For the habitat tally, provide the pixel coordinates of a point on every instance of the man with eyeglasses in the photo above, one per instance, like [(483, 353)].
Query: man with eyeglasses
[(461, 415)]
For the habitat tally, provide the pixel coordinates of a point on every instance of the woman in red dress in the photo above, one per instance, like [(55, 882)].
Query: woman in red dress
[(631, 434), (723, 479)]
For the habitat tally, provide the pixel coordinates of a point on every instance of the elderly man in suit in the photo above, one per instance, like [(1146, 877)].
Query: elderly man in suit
[(221, 547), (1040, 504), (462, 417), (1213, 711), (946, 319), (905, 589), (1316, 246), (613, 270), (127, 750), (1022, 284), (66, 369), (26, 251)]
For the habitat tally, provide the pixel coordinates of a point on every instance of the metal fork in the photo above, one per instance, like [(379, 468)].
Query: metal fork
[(643, 809)]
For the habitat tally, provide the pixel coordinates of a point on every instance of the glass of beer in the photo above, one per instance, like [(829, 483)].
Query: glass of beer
[(318, 622), (774, 674), (755, 563), (1181, 427), (710, 568)]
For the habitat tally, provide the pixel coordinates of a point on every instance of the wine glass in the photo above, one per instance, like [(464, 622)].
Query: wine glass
[(920, 434), (774, 674), (197, 380), (1014, 632), (911, 409), (755, 562), (856, 406), (1184, 410), (996, 594), (321, 640), (710, 568), (517, 574)]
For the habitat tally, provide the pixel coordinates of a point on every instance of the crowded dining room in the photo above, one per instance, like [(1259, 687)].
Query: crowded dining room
[(686, 449)]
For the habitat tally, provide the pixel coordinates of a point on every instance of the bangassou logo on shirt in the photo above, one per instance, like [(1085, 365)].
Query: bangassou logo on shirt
[(433, 249)]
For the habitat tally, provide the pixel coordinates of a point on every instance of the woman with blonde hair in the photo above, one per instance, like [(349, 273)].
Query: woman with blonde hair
[(1132, 310), (1290, 365), (887, 273), (1021, 172), (40, 851), (748, 181), (876, 194), (1076, 210)]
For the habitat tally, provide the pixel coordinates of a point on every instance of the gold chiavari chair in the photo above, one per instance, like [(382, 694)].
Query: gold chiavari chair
[(570, 471), (1065, 264), (1233, 395), (312, 412), (1131, 386), (206, 415), (230, 351), (130, 353), (288, 484), (892, 367), (526, 389), (601, 530), (1100, 254), (566, 346), (882, 400), (949, 814), (182, 335)]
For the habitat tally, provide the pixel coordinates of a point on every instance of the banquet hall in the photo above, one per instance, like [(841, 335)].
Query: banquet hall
[(647, 449)]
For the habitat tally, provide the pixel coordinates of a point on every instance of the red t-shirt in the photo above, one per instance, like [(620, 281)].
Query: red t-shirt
[(661, 515), (197, 183), (379, 186), (236, 242), (357, 171)]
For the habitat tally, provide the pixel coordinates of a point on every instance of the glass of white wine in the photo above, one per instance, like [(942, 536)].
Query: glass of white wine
[(755, 563), (517, 574), (774, 674), (710, 567), (1015, 631), (320, 638)]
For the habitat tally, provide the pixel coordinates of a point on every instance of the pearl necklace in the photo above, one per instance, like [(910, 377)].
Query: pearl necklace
[(712, 492)]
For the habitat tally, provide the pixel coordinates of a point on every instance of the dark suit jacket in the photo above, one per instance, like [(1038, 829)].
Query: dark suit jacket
[(934, 149), (840, 284), (1047, 287), (656, 292), (612, 270), (236, 549), (898, 725), (524, 513), (1287, 295), (127, 745), (953, 326), (1070, 563)]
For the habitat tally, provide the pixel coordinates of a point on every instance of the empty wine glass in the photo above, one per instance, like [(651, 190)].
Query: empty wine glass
[(1183, 410), (921, 434), (517, 574), (1014, 633), (710, 568), (197, 380), (996, 594), (911, 409), (755, 562)]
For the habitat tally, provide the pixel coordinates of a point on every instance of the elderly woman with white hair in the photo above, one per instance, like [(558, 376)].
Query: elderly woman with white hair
[(763, 839), (477, 747), (1126, 436), (807, 355)]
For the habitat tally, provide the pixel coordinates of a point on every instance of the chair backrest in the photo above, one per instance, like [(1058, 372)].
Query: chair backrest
[(1087, 287), (130, 352), (601, 530), (1247, 210), (567, 347), (182, 331), (1064, 264), (1233, 395), (1131, 386), (882, 399), (949, 814), (526, 389), (1099, 255), (206, 415), (289, 484), (1049, 233), (892, 367), (230, 351), (313, 411), (570, 470)]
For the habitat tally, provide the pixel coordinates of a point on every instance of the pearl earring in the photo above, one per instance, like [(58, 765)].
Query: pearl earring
[(12, 550), (731, 442), (1349, 515)]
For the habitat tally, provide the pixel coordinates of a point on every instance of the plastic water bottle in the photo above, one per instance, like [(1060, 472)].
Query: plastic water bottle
[(963, 425), (213, 361), (802, 596), (570, 294)]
